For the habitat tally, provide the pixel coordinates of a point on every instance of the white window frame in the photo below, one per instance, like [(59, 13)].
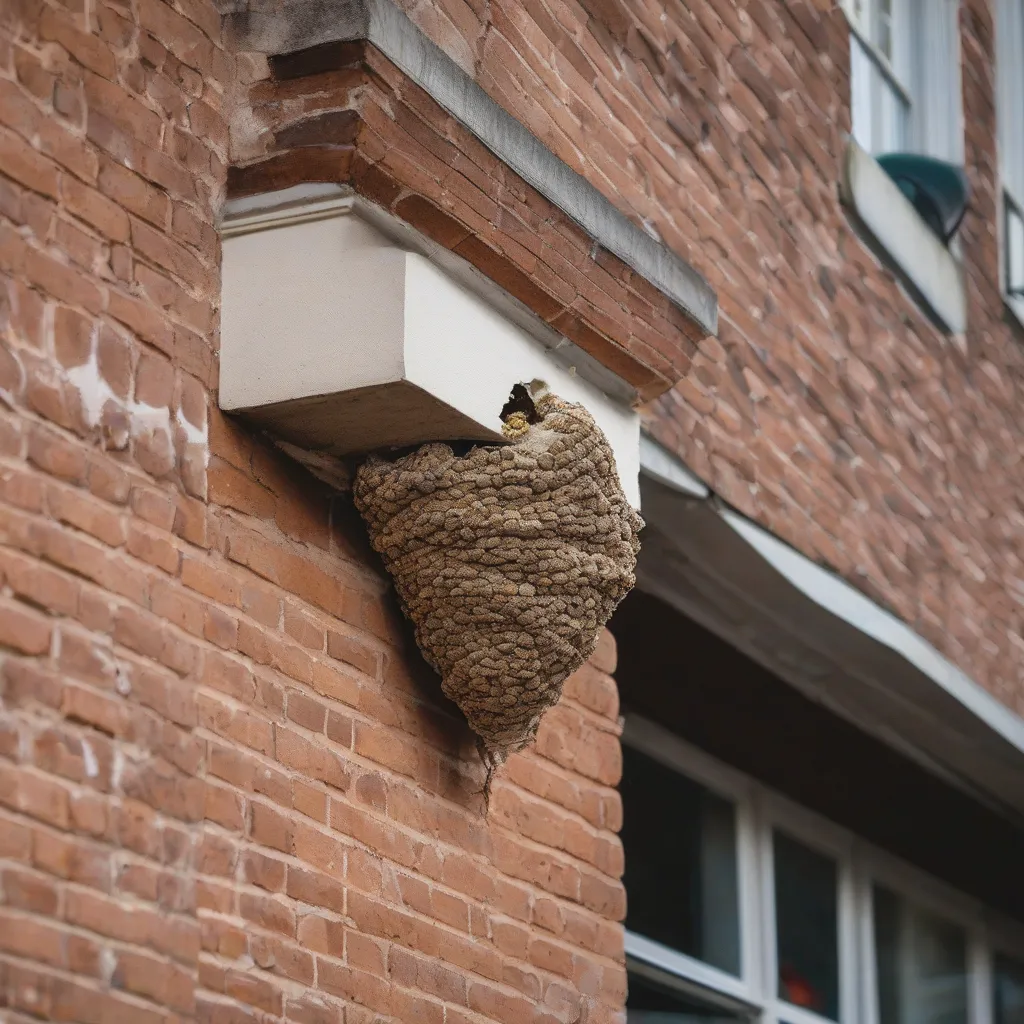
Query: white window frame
[(924, 70), (860, 866), (1009, 206), (1010, 121), (894, 71)]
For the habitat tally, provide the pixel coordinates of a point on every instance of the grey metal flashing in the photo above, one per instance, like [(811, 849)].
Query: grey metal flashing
[(824, 637), (268, 26), (660, 464)]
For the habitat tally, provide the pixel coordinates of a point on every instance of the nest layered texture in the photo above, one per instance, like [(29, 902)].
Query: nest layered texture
[(508, 560)]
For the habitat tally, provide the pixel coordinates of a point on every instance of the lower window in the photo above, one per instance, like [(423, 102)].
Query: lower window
[(682, 875), (743, 906), (921, 964), (806, 927), (1008, 991), (652, 1001)]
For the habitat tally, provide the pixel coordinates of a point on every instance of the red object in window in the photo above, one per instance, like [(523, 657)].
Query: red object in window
[(798, 990)]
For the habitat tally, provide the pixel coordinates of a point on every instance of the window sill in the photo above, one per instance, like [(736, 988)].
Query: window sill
[(894, 224), (1016, 308)]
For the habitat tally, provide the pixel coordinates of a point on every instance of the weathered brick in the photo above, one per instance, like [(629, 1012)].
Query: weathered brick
[(133, 194), (24, 630)]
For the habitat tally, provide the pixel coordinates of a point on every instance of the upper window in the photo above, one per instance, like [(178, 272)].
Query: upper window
[(742, 906), (903, 170), (905, 77), (1010, 113)]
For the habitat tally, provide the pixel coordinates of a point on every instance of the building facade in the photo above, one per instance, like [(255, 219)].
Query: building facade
[(243, 244)]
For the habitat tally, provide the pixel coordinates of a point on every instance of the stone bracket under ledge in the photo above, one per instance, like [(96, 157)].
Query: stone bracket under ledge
[(338, 339)]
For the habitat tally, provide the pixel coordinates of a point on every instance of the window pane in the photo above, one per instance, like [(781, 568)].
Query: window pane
[(806, 927), (879, 112), (1008, 994), (893, 117), (861, 70), (651, 1003), (680, 846), (883, 34), (1014, 250), (1010, 83), (921, 964)]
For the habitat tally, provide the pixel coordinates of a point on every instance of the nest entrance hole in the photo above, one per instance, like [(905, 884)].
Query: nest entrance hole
[(520, 400)]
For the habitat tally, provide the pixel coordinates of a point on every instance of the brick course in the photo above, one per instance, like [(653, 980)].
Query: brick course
[(343, 113)]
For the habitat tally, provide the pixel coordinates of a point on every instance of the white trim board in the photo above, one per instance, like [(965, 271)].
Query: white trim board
[(845, 602), (824, 637), (661, 465), (340, 340), (309, 201)]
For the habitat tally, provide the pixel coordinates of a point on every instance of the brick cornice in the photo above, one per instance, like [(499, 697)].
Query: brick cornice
[(345, 112)]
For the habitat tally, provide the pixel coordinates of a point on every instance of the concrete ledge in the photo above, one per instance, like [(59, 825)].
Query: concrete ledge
[(344, 115), (313, 201), (269, 27), (339, 341), (911, 245)]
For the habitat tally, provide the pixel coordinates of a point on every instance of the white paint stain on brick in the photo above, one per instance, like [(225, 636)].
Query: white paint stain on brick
[(149, 419), (108, 964), (198, 437), (117, 769), (92, 766), (144, 420), (122, 683), (95, 392)]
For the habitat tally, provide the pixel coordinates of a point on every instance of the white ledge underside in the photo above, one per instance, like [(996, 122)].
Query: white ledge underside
[(825, 638)]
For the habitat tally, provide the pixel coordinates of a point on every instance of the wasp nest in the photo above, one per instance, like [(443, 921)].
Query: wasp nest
[(508, 560)]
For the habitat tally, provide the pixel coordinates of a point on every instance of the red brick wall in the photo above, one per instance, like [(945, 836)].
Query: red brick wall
[(829, 408), (229, 789)]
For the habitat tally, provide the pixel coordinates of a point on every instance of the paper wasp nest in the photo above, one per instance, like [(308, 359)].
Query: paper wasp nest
[(509, 560)]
